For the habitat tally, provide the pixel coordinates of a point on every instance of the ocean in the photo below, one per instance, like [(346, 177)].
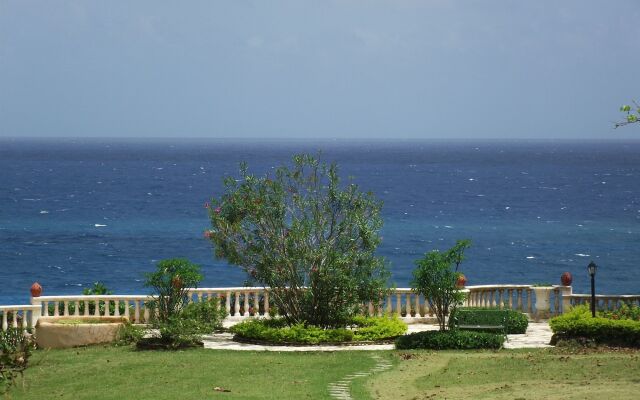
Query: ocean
[(76, 211)]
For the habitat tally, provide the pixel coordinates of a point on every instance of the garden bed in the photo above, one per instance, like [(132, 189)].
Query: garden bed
[(65, 332), (363, 331)]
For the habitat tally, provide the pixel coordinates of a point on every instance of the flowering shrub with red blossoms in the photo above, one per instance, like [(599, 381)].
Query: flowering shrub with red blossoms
[(304, 235)]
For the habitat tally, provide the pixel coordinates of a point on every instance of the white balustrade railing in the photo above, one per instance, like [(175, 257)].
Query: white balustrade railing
[(515, 297), (130, 306), (604, 301), (19, 316), (242, 302)]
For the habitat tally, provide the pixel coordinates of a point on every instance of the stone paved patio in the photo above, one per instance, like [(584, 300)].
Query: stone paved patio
[(538, 335)]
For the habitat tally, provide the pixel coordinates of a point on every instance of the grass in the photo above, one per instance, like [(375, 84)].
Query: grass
[(104, 372), (514, 375)]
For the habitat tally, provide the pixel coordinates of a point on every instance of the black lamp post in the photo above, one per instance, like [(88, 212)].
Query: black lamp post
[(592, 267)]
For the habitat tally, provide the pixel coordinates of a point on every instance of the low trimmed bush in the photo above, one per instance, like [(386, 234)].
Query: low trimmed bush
[(276, 331), (514, 322), (450, 340), (578, 325)]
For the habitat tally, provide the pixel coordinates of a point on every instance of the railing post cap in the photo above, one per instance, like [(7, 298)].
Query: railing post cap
[(36, 289)]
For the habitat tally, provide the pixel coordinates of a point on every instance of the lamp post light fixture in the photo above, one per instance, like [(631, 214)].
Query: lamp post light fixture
[(592, 267)]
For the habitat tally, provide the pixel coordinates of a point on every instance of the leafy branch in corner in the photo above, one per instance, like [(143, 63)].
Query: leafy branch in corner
[(632, 116)]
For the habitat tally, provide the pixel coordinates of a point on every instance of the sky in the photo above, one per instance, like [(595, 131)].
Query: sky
[(318, 69)]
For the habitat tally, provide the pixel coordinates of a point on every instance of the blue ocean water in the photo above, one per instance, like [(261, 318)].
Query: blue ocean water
[(77, 211)]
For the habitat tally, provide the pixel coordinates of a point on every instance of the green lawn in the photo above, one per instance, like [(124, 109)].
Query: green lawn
[(99, 372), (120, 373), (514, 375)]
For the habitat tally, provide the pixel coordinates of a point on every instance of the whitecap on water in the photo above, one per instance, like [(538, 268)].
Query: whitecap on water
[(530, 257), (582, 255), (44, 212), (99, 225)]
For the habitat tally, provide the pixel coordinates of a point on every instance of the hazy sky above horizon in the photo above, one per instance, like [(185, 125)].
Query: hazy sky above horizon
[(318, 69)]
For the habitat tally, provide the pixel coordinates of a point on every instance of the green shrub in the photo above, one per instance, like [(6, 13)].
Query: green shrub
[(436, 276), (377, 328), (307, 236), (129, 334), (579, 325), (450, 340), (513, 321), (178, 322), (183, 329), (208, 314), (623, 312), (277, 331), (15, 350), (171, 283)]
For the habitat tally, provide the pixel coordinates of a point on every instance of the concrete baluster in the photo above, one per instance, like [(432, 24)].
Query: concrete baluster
[(56, 309), (227, 302), (417, 305), (398, 304), (136, 311), (5, 325), (236, 308), (96, 309), (266, 303), (519, 294), (116, 310)]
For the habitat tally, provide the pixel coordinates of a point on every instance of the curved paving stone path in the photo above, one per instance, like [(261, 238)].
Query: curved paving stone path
[(341, 389)]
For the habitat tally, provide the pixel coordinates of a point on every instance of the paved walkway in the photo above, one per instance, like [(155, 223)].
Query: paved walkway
[(538, 335)]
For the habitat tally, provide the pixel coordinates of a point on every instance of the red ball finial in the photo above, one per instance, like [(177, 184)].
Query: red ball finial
[(36, 290), (566, 279)]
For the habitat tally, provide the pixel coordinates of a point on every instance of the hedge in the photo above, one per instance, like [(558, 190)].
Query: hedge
[(513, 321), (579, 324), (276, 331), (450, 340)]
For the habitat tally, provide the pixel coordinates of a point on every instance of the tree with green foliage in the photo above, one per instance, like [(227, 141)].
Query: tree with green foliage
[(172, 281), (632, 115), (308, 238), (435, 277)]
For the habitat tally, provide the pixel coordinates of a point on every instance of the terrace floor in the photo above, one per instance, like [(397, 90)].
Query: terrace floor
[(538, 335)]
